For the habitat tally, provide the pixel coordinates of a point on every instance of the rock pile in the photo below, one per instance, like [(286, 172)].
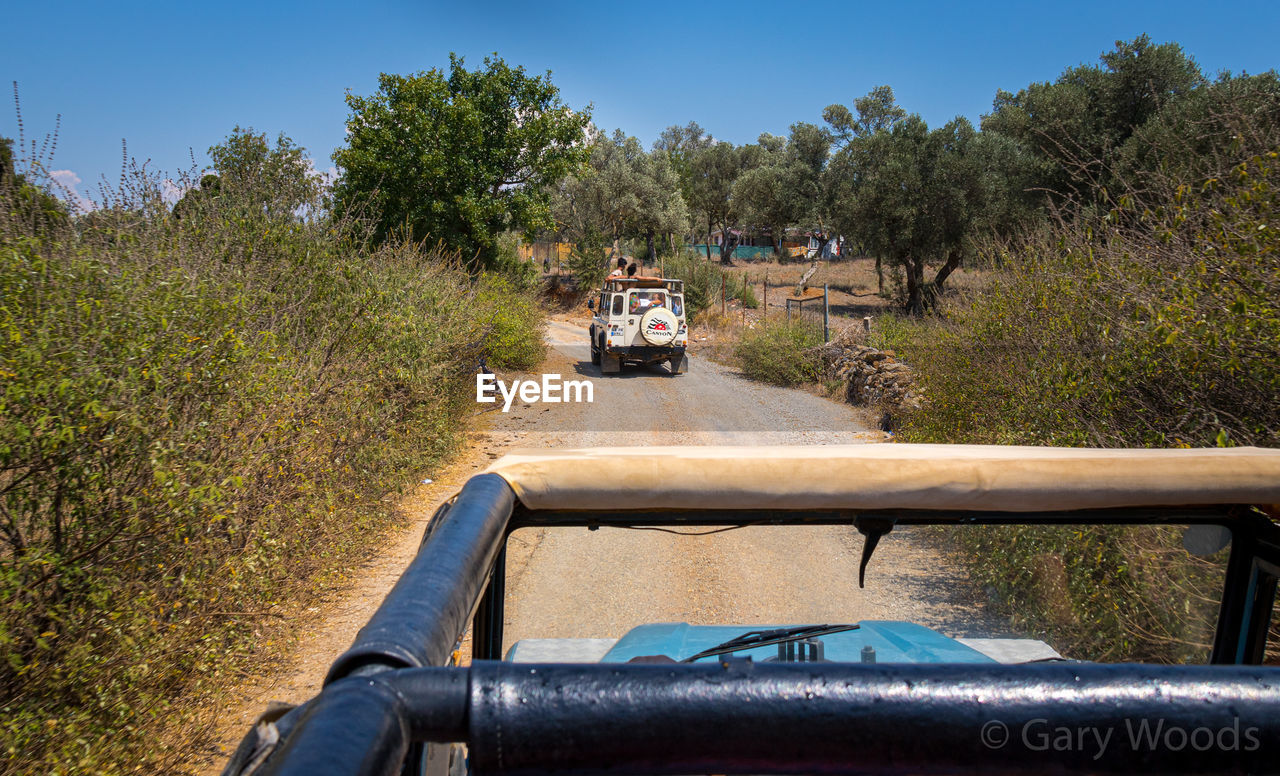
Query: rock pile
[(872, 377)]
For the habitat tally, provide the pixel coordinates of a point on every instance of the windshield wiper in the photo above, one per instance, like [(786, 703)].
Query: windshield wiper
[(763, 638)]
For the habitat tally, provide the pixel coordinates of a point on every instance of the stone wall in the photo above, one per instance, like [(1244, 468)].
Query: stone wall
[(873, 377)]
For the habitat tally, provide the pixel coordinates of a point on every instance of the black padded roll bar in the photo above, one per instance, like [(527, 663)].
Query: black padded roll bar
[(741, 718), (427, 611)]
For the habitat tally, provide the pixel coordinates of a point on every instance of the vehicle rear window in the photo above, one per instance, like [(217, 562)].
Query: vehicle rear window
[(641, 301), (617, 304)]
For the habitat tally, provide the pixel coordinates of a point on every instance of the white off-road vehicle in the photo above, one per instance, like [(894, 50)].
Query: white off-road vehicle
[(639, 320)]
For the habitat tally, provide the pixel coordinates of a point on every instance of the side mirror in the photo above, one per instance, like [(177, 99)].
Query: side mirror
[(591, 304)]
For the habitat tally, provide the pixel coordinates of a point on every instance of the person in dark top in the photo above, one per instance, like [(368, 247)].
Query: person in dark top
[(631, 271)]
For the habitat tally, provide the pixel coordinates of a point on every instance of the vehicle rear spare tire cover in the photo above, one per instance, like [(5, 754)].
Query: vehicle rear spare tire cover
[(658, 326)]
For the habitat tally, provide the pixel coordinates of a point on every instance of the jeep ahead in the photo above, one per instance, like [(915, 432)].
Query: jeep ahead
[(639, 320)]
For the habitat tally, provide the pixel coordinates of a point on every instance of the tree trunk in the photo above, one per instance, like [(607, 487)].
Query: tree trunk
[(915, 286), (653, 254), (708, 238), (727, 244), (879, 276), (804, 279), (953, 262)]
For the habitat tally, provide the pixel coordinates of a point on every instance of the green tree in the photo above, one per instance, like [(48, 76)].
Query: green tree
[(274, 182), (681, 145), (781, 183), (851, 131), (1202, 135), (1077, 124), (624, 192), (715, 169), (20, 198), (914, 196), (459, 157), (876, 110)]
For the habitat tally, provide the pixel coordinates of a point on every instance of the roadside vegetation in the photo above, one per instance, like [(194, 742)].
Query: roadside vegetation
[(780, 353), (205, 412), (1137, 313)]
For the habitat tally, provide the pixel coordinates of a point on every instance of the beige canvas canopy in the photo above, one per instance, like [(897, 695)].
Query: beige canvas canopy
[(889, 476)]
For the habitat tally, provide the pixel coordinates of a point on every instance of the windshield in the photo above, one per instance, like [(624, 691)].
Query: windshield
[(1128, 593)]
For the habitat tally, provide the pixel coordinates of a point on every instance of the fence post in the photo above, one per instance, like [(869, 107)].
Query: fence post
[(826, 316), (766, 295), (724, 303)]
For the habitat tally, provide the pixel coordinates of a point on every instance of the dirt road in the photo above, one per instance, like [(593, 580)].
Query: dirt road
[(574, 582)]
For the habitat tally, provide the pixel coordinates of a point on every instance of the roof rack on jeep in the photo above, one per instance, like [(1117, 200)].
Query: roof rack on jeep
[(641, 281)]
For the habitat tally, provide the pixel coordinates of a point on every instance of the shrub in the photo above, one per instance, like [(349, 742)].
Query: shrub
[(704, 281), (1150, 328), (1144, 326), (513, 321), (587, 260), (780, 353), (199, 418)]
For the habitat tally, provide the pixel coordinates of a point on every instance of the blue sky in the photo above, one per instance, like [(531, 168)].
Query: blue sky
[(173, 78)]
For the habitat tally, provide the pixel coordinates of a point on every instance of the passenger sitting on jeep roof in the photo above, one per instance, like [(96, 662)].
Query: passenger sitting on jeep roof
[(617, 272)]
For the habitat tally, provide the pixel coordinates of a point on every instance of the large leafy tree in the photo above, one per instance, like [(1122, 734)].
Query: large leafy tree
[(714, 170), (781, 183), (912, 195), (458, 157), (252, 180), (625, 192), (856, 157), (682, 144), (1077, 124), (278, 180), (1202, 135)]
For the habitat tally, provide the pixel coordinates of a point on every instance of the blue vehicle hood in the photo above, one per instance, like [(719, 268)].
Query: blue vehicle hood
[(894, 642)]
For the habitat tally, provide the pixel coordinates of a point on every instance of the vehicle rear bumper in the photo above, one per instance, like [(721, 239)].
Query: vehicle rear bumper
[(645, 352)]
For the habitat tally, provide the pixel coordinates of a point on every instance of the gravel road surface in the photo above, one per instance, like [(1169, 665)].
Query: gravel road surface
[(574, 582)]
